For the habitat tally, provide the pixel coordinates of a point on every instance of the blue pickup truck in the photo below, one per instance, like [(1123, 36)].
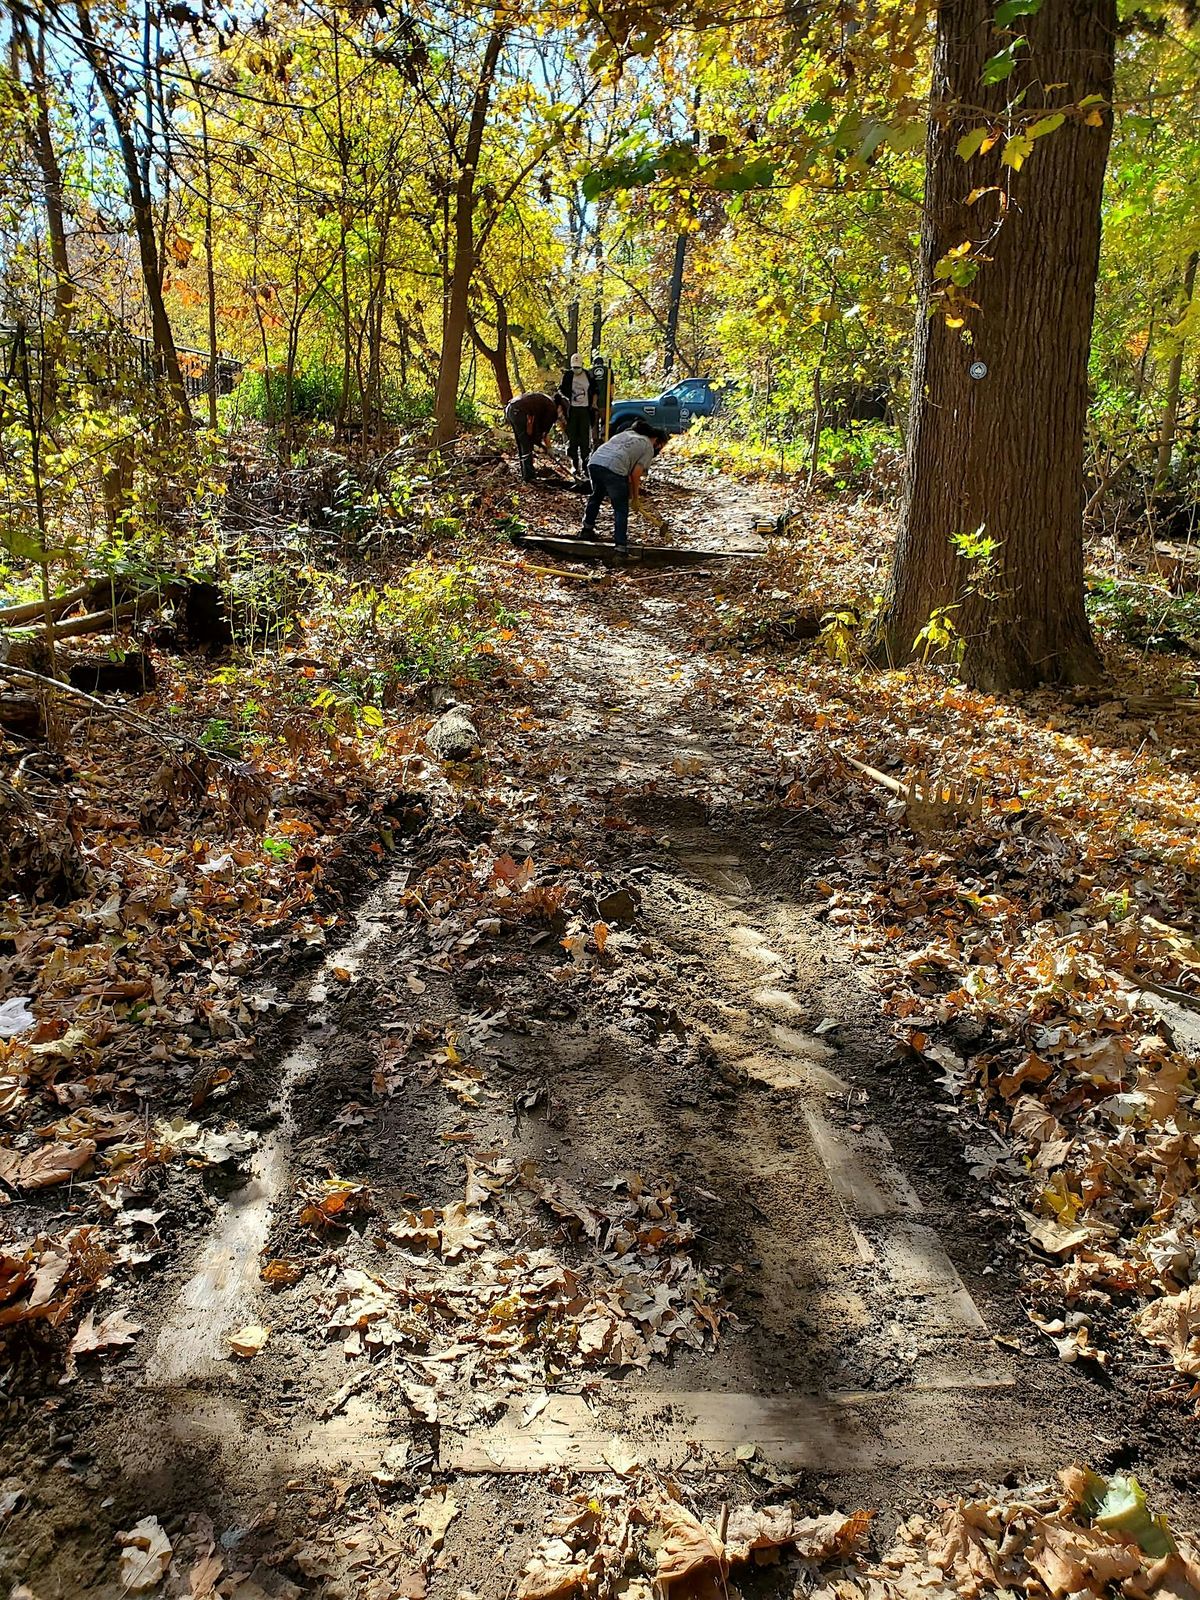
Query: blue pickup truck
[(674, 411)]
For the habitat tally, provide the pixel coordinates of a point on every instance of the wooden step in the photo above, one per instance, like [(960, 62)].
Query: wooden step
[(930, 1428), (644, 555)]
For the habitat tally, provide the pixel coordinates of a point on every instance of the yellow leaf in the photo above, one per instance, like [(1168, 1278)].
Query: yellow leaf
[(1016, 150), (247, 1342), (282, 1272)]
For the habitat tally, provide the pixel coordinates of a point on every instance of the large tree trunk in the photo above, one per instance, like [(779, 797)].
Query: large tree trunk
[(598, 304), (450, 367), (1003, 451)]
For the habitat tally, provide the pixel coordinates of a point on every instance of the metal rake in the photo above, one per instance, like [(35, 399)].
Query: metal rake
[(931, 805)]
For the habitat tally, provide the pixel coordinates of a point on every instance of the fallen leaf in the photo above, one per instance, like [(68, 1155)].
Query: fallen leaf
[(204, 1575), (687, 1545), (818, 1538), (534, 1407), (145, 1556), (247, 1342), (417, 1229), (1071, 1560), (335, 1203), (409, 1586), (1052, 1236), (54, 1163), (435, 1515), (965, 1548), (463, 1230), (114, 1331), (281, 1272), (1173, 1323), (422, 1401), (553, 1572)]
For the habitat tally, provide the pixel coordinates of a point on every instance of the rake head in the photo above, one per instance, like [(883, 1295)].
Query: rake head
[(932, 805)]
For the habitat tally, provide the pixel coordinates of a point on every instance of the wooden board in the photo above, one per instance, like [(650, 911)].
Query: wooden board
[(641, 555), (948, 1426)]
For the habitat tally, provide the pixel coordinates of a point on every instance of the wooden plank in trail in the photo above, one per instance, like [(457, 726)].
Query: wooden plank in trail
[(950, 1427), (640, 555)]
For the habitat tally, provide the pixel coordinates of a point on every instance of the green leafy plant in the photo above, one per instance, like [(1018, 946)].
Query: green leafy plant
[(940, 636), (1144, 616), (219, 735), (349, 706), (981, 554), (837, 635)]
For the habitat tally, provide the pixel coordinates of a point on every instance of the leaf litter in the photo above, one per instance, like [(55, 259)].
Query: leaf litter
[(524, 1281), (1085, 1536), (1042, 959)]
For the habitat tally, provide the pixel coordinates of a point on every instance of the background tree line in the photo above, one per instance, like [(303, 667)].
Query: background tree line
[(388, 217)]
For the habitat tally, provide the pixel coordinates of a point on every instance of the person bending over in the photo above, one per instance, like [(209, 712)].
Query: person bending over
[(531, 417), (616, 471)]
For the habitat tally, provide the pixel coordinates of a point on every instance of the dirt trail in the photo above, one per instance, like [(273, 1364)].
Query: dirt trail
[(722, 1049)]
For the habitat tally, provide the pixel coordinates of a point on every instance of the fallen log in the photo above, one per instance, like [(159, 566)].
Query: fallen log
[(645, 555), (35, 610), (133, 674), (104, 621), (22, 714), (161, 734)]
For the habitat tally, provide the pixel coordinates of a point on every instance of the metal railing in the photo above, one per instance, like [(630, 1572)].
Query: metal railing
[(110, 355)]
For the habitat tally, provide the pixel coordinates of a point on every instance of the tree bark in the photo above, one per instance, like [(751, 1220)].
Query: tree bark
[(1170, 416), (598, 303), (142, 208), (675, 295), (52, 183), (450, 367), (497, 354), (1003, 452)]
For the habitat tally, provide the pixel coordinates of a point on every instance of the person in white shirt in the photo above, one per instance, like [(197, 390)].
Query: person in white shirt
[(616, 471), (578, 390)]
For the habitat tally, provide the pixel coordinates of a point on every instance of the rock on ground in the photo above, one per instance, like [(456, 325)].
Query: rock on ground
[(453, 737)]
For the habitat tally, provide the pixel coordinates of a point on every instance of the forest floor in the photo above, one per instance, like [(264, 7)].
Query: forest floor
[(599, 1226)]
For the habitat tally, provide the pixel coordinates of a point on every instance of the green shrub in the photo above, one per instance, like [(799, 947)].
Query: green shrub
[(432, 623), (1144, 616), (317, 392)]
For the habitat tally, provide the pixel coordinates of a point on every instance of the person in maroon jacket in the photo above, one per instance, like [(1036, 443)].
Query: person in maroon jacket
[(531, 417)]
